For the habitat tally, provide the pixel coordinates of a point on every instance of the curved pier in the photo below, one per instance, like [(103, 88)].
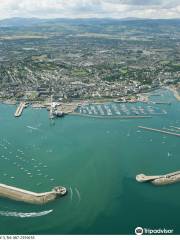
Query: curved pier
[(22, 195), (160, 180)]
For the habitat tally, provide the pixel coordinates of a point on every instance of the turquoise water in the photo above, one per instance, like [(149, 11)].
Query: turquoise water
[(98, 160)]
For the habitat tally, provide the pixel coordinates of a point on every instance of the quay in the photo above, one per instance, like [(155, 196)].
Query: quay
[(161, 179), (22, 195), (20, 109), (160, 130)]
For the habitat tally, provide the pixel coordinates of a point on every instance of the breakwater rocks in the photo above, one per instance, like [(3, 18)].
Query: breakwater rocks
[(22, 195), (161, 179)]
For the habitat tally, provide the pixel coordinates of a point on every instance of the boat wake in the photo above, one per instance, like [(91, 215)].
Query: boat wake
[(76, 190), (71, 193), (24, 215), (78, 194), (32, 128)]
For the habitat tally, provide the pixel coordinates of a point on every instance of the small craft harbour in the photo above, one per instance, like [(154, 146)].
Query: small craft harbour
[(97, 160)]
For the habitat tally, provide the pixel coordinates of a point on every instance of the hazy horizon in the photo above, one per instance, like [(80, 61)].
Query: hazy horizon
[(72, 9), (81, 18)]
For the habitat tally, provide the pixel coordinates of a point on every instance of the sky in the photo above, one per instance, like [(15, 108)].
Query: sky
[(90, 8)]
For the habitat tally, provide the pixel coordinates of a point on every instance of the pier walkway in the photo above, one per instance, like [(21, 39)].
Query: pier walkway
[(160, 180), (160, 130), (20, 109), (19, 194)]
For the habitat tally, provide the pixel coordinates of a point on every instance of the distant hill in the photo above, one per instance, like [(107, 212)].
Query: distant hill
[(20, 22), (15, 22)]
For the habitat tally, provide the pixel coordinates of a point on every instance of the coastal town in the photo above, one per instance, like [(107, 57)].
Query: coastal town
[(89, 119), (79, 64)]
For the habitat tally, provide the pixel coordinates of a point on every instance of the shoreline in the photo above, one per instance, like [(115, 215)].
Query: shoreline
[(69, 108), (175, 92), (143, 97)]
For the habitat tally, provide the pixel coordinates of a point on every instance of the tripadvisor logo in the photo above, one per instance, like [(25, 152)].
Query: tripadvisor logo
[(140, 231)]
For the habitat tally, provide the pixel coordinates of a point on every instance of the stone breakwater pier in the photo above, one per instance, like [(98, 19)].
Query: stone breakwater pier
[(161, 179), (160, 130), (20, 109), (22, 195)]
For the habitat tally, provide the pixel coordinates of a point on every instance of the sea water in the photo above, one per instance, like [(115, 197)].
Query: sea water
[(97, 160)]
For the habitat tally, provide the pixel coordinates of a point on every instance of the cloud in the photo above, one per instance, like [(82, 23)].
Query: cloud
[(142, 2), (90, 8)]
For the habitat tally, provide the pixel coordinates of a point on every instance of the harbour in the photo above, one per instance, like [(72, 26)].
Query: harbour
[(96, 159), (143, 107)]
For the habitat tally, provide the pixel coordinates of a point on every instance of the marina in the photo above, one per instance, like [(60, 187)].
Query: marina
[(121, 110)]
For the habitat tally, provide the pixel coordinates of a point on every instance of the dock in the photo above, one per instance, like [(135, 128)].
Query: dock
[(22, 195), (160, 130), (160, 180), (20, 109)]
